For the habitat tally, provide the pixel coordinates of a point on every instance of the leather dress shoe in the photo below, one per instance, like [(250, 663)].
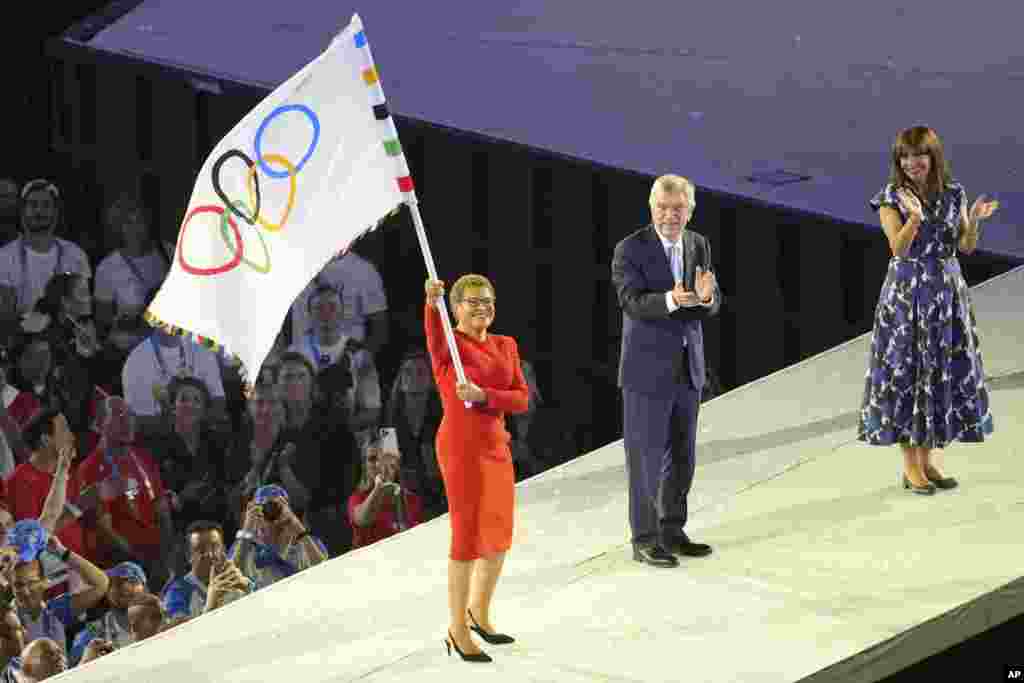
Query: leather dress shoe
[(682, 545), (654, 555)]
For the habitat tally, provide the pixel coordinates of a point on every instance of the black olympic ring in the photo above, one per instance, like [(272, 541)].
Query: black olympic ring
[(215, 177)]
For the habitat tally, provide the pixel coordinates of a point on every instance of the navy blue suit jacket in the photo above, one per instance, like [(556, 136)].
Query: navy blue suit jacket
[(652, 338)]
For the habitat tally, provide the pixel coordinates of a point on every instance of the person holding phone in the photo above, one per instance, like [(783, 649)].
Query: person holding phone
[(381, 507), (213, 580), (273, 543), (925, 383)]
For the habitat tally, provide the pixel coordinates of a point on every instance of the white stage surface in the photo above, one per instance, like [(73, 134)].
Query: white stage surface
[(823, 569)]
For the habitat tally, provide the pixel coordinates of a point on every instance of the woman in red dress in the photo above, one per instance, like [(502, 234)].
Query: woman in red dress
[(473, 454)]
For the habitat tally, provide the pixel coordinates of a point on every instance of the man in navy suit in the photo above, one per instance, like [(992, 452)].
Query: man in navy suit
[(662, 275)]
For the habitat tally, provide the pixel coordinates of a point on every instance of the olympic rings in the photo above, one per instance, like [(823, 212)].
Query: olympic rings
[(266, 252), (249, 182), (254, 205), (217, 270), (215, 177), (313, 119)]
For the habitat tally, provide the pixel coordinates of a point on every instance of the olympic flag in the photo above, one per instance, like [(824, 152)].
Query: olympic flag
[(313, 167)]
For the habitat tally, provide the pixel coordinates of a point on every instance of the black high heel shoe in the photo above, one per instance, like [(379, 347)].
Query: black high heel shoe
[(492, 638), (940, 482), (478, 657), (922, 490)]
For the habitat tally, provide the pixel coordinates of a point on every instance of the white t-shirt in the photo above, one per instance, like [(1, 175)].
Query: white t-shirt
[(118, 283), (362, 295), (144, 375), (63, 257), (365, 391)]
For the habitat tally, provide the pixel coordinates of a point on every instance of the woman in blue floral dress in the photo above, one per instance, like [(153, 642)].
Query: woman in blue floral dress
[(925, 385)]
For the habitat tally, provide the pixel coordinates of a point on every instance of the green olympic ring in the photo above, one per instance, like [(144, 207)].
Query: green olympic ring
[(259, 233)]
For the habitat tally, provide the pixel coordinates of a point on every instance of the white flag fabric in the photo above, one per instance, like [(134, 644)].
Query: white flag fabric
[(314, 166)]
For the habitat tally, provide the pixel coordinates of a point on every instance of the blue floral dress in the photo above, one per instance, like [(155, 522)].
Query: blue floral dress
[(925, 385)]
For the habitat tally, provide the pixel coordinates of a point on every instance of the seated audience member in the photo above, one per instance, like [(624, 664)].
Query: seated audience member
[(20, 406), (28, 262), (414, 409), (48, 618), (12, 639), (273, 543), (50, 464), (191, 457), (127, 586), (346, 375), (365, 313), (213, 580), (42, 659), (33, 368), (77, 366), (135, 522), (152, 365), (145, 618), (381, 506), (255, 461), (322, 466), (129, 276), (10, 221)]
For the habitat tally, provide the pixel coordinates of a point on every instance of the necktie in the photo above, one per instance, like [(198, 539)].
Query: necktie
[(675, 257)]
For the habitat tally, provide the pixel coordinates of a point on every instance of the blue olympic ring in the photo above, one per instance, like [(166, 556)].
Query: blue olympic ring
[(311, 115)]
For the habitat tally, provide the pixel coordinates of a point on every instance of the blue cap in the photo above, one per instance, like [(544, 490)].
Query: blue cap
[(28, 538), (128, 570), (265, 493)]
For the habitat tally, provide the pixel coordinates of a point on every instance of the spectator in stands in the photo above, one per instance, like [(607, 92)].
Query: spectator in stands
[(28, 262), (42, 659), (414, 409), (9, 219), (152, 365), (145, 617), (213, 581), (191, 457), (97, 647), (33, 369), (48, 618), (523, 453), (16, 409), (135, 523), (128, 277), (127, 586), (381, 506), (75, 351), (274, 543), (320, 471), (346, 374), (29, 488), (257, 451), (365, 314), (12, 639)]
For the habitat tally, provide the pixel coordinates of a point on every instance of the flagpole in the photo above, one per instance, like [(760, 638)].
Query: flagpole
[(428, 258)]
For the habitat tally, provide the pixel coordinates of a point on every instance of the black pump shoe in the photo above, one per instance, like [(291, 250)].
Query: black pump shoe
[(492, 638), (940, 482), (478, 657)]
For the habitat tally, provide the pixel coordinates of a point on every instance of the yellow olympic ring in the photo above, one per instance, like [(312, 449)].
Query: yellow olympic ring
[(249, 183)]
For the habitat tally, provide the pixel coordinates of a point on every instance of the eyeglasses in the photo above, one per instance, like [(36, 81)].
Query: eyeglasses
[(479, 303)]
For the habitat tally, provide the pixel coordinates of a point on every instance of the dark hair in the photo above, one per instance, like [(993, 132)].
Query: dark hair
[(179, 383), (57, 289), (323, 289), (920, 140), (202, 525), (41, 185), (295, 357), (40, 425)]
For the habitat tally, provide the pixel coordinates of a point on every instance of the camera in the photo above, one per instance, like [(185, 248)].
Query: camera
[(271, 510)]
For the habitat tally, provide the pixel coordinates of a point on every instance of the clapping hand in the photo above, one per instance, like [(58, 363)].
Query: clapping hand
[(434, 290), (705, 284), (467, 391), (911, 204), (684, 296), (983, 208)]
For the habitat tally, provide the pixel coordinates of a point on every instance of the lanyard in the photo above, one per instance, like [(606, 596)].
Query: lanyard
[(321, 359), (23, 292), (136, 271), (160, 359)]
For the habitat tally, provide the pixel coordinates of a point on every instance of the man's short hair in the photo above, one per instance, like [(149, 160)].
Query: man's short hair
[(40, 425), (295, 357), (322, 289), (674, 184), (203, 525), (179, 383)]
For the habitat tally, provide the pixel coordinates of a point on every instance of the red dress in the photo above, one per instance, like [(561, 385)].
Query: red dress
[(472, 443)]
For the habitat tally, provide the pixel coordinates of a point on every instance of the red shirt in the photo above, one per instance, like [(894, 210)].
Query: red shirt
[(23, 408), (384, 525), (132, 498), (27, 488)]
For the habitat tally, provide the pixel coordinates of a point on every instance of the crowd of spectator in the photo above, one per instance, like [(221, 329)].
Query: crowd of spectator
[(141, 487)]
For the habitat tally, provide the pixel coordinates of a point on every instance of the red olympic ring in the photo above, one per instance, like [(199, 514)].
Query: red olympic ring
[(216, 270)]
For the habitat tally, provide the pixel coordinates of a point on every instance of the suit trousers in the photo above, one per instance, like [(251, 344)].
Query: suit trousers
[(660, 436)]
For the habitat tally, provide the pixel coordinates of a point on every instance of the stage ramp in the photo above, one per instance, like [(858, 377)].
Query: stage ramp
[(823, 570)]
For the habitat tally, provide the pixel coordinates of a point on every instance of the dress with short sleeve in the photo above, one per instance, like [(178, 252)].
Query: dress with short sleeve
[(925, 384)]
